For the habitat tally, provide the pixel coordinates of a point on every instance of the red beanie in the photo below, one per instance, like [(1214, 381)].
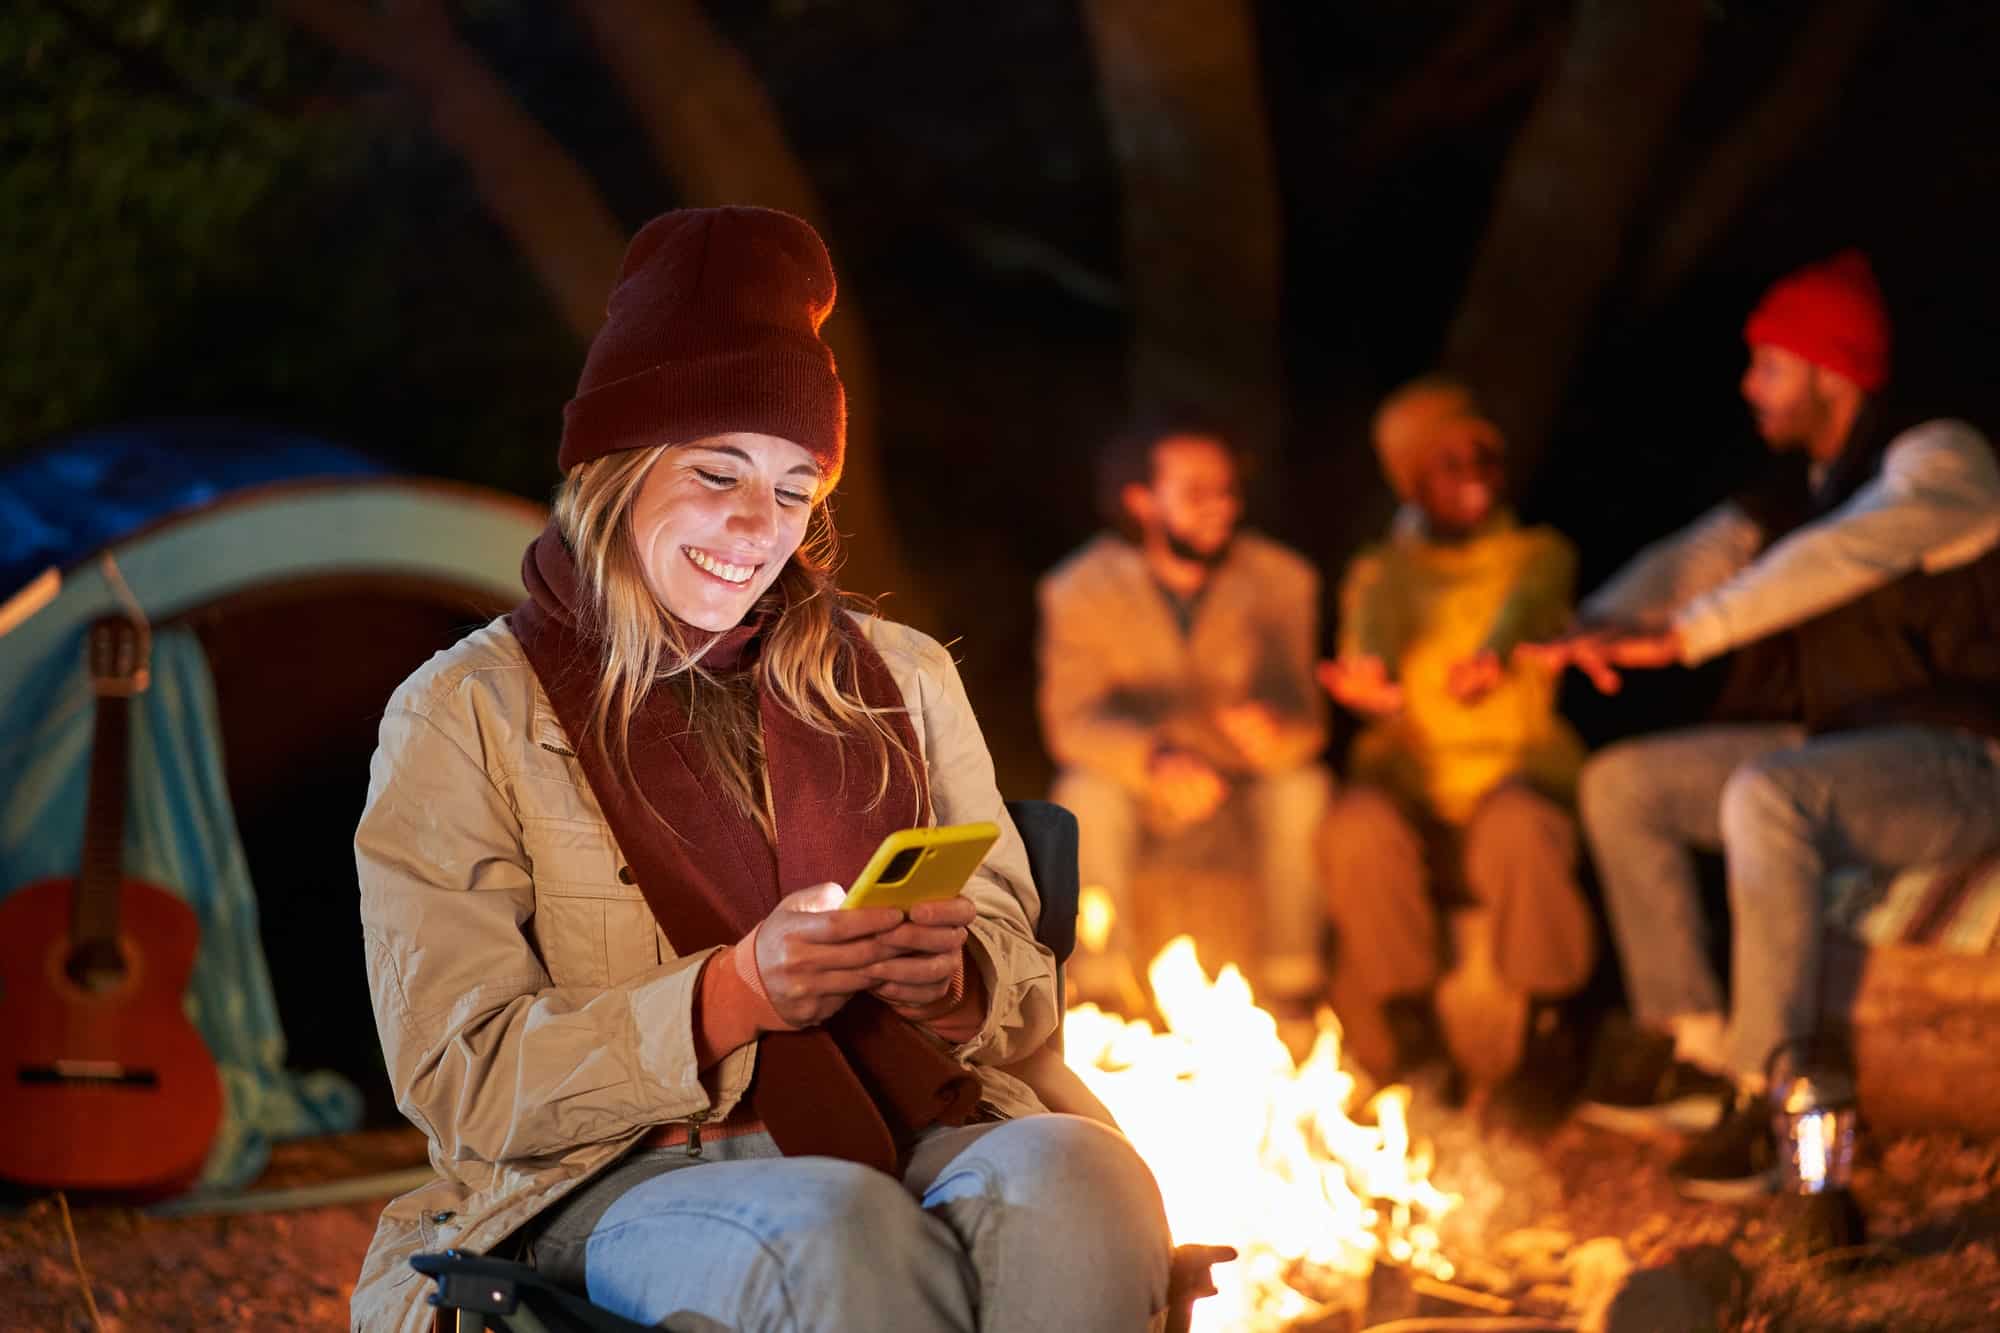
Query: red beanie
[(1831, 314), (713, 328)]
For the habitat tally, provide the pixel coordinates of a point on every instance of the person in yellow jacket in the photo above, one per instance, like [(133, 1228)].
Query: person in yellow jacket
[(1460, 784)]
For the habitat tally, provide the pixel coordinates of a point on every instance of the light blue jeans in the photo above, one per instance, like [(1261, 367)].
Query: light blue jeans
[(1047, 1222), (1784, 810), (1284, 810)]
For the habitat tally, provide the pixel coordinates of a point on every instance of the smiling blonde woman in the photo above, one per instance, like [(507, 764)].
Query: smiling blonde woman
[(602, 841)]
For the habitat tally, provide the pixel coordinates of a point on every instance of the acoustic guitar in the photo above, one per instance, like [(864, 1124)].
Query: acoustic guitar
[(104, 1083)]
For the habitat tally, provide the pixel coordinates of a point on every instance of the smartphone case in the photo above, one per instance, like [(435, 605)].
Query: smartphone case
[(914, 865)]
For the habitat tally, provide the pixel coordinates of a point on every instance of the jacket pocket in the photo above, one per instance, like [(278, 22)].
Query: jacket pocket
[(575, 858), (591, 921)]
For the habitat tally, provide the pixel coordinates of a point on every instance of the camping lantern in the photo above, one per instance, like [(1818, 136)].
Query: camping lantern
[(1814, 1114)]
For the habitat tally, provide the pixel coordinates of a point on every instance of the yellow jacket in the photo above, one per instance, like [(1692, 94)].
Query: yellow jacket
[(1422, 605)]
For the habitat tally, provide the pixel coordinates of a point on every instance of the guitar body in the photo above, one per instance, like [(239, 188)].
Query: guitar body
[(102, 1089)]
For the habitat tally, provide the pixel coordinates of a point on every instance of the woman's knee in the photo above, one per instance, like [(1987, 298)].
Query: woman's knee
[(1362, 810), (790, 1211), (1514, 819), (1068, 1225), (1073, 1167), (836, 1194)]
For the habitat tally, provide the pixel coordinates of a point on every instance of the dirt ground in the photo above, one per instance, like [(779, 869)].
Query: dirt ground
[(1932, 1204), (1930, 1262)]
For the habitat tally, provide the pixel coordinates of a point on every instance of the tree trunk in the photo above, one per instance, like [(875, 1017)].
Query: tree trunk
[(527, 182), (1479, 62), (717, 136), (1562, 209), (1751, 150), (1184, 103)]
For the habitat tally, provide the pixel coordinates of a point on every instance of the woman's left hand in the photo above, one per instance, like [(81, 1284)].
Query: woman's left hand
[(932, 946)]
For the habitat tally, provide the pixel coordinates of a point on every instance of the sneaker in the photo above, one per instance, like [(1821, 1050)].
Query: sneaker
[(1636, 1086), (1541, 1094), (1736, 1160)]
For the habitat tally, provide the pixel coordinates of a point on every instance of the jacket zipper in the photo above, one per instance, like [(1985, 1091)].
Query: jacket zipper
[(694, 1123)]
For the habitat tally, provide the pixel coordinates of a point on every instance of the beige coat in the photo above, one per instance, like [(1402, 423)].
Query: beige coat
[(1120, 678), (535, 1018)]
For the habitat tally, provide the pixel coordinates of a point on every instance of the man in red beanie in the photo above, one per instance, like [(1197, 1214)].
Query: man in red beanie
[(1866, 571)]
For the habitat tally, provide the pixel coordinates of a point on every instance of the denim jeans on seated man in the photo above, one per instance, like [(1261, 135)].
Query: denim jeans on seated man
[(1784, 810), (1283, 812), (1050, 1221)]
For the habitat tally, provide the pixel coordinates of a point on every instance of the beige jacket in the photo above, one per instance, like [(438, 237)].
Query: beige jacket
[(535, 1018), (1120, 678)]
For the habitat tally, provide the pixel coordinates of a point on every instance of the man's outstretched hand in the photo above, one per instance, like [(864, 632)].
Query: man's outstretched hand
[(1601, 654)]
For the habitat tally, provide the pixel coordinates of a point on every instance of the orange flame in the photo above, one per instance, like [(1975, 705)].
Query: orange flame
[(1255, 1151)]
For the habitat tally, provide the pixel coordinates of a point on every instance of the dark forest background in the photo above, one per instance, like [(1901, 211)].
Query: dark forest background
[(393, 224)]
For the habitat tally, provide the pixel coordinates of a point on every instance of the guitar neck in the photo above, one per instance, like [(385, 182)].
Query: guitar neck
[(94, 909)]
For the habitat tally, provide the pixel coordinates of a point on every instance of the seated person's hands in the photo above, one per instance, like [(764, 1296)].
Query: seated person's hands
[(1361, 684), (1184, 788), (930, 947), (1473, 678), (1254, 730), (1599, 651), (812, 956)]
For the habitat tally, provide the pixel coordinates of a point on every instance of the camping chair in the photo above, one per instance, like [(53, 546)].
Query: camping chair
[(476, 1293)]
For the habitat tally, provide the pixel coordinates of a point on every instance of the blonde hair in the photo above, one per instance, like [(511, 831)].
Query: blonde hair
[(807, 664)]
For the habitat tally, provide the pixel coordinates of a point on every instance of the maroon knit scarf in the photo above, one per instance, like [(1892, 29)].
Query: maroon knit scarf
[(861, 1085)]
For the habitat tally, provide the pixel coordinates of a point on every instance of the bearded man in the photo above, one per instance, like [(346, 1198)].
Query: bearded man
[(1177, 677), (1866, 578)]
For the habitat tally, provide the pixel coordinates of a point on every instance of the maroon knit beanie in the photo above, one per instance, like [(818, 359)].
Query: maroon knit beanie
[(713, 328), (1830, 313)]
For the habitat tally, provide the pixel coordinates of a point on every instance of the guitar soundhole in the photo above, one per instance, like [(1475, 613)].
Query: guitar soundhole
[(97, 966)]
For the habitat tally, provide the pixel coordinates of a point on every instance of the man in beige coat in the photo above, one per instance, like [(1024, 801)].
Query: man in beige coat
[(1176, 677)]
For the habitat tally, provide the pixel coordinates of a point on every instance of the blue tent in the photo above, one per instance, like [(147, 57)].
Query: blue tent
[(289, 583)]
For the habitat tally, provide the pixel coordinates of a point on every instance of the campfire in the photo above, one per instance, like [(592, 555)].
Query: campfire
[(1255, 1150)]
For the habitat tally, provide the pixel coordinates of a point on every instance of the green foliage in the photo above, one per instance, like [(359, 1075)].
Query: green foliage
[(137, 140)]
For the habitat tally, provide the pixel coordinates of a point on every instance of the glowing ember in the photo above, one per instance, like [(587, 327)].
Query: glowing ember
[(1254, 1151)]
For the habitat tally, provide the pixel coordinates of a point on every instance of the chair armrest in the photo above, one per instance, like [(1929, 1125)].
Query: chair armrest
[(1049, 833), (511, 1297)]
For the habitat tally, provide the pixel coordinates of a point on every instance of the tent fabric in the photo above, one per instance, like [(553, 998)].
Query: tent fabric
[(455, 535), (64, 503), (180, 833), (74, 496)]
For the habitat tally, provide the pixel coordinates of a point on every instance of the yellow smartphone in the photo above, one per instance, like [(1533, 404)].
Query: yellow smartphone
[(915, 865)]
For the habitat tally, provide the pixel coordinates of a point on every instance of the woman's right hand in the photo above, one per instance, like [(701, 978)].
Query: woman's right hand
[(1361, 684), (812, 956)]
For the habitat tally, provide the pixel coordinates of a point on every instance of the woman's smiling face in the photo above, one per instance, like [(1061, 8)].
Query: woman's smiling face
[(716, 520)]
